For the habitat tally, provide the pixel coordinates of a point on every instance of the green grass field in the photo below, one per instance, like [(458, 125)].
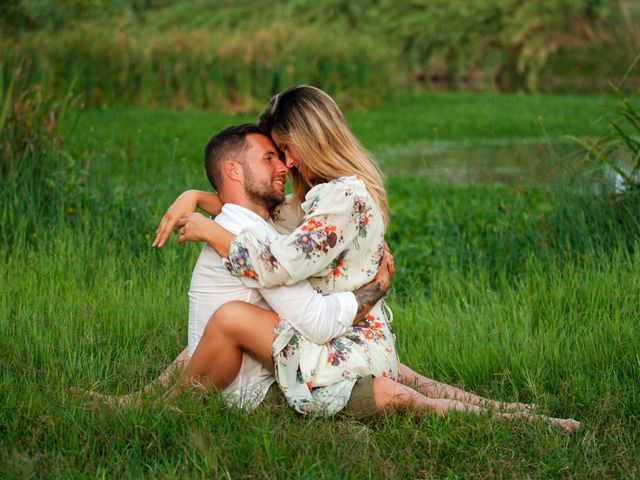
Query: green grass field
[(517, 293)]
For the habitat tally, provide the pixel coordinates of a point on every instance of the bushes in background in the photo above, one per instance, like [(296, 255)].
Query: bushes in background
[(233, 55)]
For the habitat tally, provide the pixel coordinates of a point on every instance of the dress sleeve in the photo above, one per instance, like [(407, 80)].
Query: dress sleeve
[(337, 215)]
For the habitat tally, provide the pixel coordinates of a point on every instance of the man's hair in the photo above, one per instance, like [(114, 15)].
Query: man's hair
[(228, 144)]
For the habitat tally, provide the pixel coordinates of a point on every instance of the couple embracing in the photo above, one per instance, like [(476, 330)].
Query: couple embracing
[(286, 299)]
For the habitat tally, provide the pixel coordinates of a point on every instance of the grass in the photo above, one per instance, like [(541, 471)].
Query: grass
[(512, 293)]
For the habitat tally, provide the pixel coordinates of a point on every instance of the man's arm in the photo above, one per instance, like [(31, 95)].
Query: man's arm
[(321, 318), (367, 296)]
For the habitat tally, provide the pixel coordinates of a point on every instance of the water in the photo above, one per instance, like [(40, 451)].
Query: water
[(523, 162)]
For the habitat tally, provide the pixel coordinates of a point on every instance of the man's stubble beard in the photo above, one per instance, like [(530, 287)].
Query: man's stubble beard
[(263, 193)]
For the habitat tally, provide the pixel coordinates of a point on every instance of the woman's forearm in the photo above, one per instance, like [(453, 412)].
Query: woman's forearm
[(208, 201), (198, 228), (185, 205), (219, 239)]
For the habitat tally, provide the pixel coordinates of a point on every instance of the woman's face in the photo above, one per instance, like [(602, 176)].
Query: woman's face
[(292, 160), (290, 153)]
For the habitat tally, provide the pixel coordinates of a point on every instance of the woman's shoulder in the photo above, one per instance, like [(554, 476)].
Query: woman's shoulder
[(347, 186), (288, 215)]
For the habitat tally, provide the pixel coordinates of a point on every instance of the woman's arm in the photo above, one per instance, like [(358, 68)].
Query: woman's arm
[(185, 204), (337, 216), (195, 227)]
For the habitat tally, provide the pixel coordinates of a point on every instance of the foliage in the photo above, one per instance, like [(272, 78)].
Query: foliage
[(233, 55), (619, 150), (205, 69), (616, 157)]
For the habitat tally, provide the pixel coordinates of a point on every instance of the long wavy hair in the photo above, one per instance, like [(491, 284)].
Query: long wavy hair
[(309, 119)]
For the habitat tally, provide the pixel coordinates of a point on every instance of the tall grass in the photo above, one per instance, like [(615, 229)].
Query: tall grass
[(211, 69), (45, 186), (40, 180), (233, 56), (78, 312), (619, 150)]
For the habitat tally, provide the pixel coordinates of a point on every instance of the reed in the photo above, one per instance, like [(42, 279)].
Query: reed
[(217, 70), (232, 56)]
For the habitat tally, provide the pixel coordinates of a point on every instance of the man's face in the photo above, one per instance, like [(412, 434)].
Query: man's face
[(264, 172)]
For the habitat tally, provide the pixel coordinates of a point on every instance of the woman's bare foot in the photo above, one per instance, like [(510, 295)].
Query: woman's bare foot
[(569, 425)]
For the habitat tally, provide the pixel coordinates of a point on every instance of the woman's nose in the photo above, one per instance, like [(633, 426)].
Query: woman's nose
[(289, 161)]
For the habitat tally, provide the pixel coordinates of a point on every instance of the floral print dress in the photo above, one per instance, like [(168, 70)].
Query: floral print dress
[(338, 246)]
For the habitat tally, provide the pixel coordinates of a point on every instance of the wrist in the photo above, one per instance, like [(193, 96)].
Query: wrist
[(209, 236)]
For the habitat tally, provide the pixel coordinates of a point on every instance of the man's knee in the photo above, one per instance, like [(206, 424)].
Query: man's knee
[(224, 319), (383, 393)]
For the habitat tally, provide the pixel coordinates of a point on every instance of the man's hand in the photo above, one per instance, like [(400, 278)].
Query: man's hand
[(386, 271), (369, 294), (194, 227)]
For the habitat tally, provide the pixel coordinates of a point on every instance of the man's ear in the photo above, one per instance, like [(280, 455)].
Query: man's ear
[(233, 170)]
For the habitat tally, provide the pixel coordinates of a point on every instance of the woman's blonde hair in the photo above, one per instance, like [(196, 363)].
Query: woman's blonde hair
[(309, 119)]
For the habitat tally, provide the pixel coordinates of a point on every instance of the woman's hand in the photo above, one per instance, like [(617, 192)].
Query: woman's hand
[(195, 227), (185, 204)]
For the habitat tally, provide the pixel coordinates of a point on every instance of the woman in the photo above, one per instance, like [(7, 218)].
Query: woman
[(338, 245)]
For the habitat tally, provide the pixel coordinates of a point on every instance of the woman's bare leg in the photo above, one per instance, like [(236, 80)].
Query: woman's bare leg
[(390, 395), (234, 328), (434, 389)]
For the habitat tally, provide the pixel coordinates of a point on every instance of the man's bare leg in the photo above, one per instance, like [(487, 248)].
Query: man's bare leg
[(390, 395), (434, 389), (234, 328), (161, 384)]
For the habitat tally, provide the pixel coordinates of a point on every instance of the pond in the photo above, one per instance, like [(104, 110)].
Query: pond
[(524, 162)]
